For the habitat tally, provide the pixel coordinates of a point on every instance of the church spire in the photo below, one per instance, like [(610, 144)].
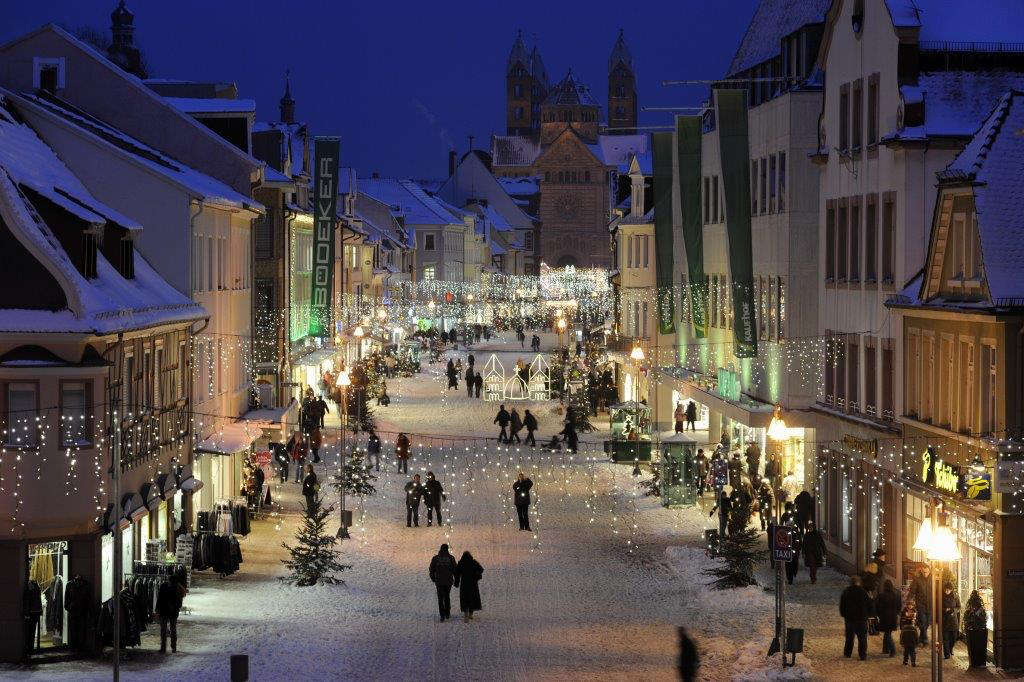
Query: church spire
[(518, 53), (122, 50), (620, 53), (287, 104)]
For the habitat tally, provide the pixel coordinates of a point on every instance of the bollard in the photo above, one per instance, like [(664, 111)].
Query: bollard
[(239, 668)]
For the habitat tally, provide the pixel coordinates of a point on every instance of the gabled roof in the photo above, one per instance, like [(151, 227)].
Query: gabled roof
[(993, 162), (105, 304), (407, 200), (513, 150), (772, 21), (201, 185), (570, 92), (955, 102), (616, 150), (962, 22)]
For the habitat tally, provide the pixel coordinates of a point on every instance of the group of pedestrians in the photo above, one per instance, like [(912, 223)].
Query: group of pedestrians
[(431, 493), (466, 575), (511, 424), (473, 379)]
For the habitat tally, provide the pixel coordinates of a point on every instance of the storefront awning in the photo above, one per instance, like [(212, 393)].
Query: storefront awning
[(133, 506), (151, 495), (191, 485), (750, 413), (229, 439), (270, 417), (166, 484)]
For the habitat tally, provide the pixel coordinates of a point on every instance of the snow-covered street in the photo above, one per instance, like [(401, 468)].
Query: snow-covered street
[(594, 592)]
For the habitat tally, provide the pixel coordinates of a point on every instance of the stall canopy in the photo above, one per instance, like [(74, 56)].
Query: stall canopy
[(229, 439), (166, 485), (151, 495)]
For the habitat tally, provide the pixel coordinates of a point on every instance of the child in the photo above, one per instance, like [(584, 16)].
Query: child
[(909, 633)]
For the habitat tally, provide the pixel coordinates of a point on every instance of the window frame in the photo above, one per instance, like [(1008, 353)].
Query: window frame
[(89, 433), (8, 443)]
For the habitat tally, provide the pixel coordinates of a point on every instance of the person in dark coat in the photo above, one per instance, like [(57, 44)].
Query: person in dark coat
[(702, 471), (908, 632), (773, 471), (793, 565), (433, 494), (814, 550), (752, 454), (373, 450), (921, 591), (168, 605), (530, 422), (31, 610), (765, 500), (468, 573), (469, 378), (402, 452), (887, 608), (804, 504), (297, 449), (735, 470), (282, 459), (691, 416), (478, 383), (502, 420), (689, 660), (442, 573), (310, 486), (413, 494), (453, 380), (976, 631), (572, 440), (855, 608), (723, 506), (517, 426), (950, 619), (521, 499)]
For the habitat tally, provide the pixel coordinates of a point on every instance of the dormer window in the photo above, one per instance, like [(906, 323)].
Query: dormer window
[(90, 242), (127, 264), (857, 17), (48, 74)]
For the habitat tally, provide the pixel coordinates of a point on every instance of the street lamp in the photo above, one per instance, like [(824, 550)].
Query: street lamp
[(560, 325), (777, 427), (939, 546), (637, 354), (358, 333), (343, 383)]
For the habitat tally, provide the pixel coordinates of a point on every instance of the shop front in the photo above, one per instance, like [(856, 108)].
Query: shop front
[(307, 371), (219, 461)]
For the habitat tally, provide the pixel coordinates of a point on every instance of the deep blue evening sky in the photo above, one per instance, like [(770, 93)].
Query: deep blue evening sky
[(401, 82)]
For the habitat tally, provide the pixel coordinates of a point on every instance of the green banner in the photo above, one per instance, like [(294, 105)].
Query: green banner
[(662, 148), (688, 140), (326, 155), (735, 153)]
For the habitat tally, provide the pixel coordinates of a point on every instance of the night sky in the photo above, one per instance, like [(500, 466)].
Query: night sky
[(403, 82)]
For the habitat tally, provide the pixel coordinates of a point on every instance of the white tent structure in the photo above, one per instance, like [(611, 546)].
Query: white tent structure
[(540, 379), (494, 379), (515, 388)]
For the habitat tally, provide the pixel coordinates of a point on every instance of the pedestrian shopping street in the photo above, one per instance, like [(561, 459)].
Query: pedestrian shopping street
[(594, 591)]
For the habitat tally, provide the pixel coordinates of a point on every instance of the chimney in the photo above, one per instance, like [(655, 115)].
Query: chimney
[(451, 163)]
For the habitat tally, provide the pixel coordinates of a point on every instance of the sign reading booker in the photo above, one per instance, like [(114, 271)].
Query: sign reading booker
[(326, 155)]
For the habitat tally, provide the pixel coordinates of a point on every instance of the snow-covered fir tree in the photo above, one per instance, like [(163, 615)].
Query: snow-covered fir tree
[(739, 554), (356, 476), (314, 558)]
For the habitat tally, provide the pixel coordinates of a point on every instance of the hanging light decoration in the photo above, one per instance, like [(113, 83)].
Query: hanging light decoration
[(777, 428)]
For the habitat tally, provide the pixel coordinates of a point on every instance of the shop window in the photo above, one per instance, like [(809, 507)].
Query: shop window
[(48, 566), (429, 273), (22, 414), (76, 428)]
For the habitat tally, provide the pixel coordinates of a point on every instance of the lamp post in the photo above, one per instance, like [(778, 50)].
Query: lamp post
[(560, 325), (358, 333), (939, 546), (637, 354), (343, 383)]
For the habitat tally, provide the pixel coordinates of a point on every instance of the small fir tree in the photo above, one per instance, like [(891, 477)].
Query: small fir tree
[(651, 487), (314, 558), (580, 404), (739, 555), (356, 476)]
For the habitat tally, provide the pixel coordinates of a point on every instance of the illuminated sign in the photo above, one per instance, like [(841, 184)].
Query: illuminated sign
[(326, 154), (939, 474), (976, 486)]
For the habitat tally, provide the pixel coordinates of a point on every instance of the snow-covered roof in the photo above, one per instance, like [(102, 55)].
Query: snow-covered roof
[(31, 163), (105, 304), (206, 188), (514, 150), (212, 105), (993, 162), (292, 142), (955, 102), (406, 199), (570, 92), (271, 174), (962, 22), (616, 150), (520, 187), (772, 21)]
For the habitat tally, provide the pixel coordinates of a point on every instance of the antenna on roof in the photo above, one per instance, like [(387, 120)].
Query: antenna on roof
[(470, 142)]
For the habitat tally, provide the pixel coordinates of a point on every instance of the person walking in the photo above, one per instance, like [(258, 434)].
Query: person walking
[(702, 472), (752, 454), (765, 500), (316, 440), (793, 565), (976, 631), (433, 494), (470, 379), (502, 420), (530, 422), (478, 383), (773, 471), (950, 619), (452, 376), (283, 460), (887, 609), (521, 498), (723, 505), (814, 551), (689, 660), (297, 453), (908, 632), (413, 494), (373, 450), (855, 608), (691, 415), (442, 572), (468, 573), (168, 605), (804, 503), (310, 486), (679, 415), (572, 440), (402, 452), (516, 427), (921, 591)]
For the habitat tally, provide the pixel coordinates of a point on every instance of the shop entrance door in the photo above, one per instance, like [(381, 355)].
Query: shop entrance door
[(48, 567)]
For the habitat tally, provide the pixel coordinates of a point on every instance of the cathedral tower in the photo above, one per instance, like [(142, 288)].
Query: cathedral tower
[(526, 85), (621, 88), (122, 50)]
